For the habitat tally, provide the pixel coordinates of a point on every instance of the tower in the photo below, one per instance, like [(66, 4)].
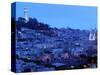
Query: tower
[(25, 14), (92, 35)]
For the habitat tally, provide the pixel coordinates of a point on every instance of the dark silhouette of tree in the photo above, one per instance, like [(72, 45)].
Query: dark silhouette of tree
[(20, 23), (32, 23), (43, 26)]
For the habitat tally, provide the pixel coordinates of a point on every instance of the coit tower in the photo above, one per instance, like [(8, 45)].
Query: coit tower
[(26, 14)]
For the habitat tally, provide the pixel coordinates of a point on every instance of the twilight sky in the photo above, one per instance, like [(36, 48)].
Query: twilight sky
[(60, 16)]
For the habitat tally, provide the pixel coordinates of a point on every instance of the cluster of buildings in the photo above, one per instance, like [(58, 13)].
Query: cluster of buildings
[(69, 49)]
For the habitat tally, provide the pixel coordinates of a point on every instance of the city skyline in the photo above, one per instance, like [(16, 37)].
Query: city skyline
[(77, 17)]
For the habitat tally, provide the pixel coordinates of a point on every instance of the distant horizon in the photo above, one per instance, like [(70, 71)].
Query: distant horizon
[(60, 16)]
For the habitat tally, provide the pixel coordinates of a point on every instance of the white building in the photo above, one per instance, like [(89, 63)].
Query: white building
[(92, 35)]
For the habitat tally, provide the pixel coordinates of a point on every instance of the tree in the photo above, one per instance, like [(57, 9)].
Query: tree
[(32, 23), (20, 23)]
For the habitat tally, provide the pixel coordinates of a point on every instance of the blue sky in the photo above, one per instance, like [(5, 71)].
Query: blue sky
[(60, 16)]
